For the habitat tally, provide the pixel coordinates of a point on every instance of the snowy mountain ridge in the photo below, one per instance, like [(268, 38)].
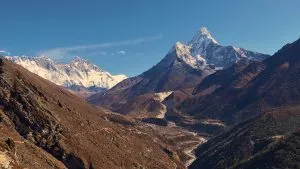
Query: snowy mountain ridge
[(78, 72)]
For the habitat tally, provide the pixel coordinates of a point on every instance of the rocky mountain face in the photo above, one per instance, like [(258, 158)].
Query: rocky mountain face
[(78, 72), (45, 126), (183, 68), (17, 152)]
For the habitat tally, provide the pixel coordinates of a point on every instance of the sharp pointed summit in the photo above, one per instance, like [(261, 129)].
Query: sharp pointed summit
[(203, 38), (205, 31)]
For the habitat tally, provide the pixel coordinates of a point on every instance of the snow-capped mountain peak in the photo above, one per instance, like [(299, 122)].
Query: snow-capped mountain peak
[(202, 38), (79, 60), (203, 52), (83, 65), (78, 71), (205, 31)]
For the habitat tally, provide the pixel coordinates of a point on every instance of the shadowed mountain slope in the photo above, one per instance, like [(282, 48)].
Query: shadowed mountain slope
[(256, 88)]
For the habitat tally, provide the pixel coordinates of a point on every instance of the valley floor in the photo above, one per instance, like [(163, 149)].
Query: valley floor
[(186, 141)]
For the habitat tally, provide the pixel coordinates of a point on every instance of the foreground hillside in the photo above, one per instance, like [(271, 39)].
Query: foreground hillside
[(17, 152), (49, 125)]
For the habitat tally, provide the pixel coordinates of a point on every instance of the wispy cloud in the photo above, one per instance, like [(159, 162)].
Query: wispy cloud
[(61, 53), (4, 52), (121, 52)]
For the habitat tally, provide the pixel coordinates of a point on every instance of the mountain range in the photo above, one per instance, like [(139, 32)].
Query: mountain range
[(79, 75), (202, 106)]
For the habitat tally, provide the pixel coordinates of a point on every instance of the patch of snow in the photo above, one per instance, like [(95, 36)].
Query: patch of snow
[(161, 97), (240, 51), (213, 122), (276, 137), (203, 37), (162, 113), (219, 68), (183, 52)]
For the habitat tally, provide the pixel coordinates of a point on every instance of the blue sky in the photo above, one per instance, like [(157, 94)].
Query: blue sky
[(130, 36)]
